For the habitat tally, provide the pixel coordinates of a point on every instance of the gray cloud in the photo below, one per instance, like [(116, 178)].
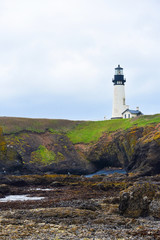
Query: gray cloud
[(60, 55)]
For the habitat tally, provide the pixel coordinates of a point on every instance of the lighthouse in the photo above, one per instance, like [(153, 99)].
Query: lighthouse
[(119, 105)]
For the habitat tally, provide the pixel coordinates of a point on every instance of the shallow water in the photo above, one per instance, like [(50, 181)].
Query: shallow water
[(19, 198), (41, 189), (107, 172)]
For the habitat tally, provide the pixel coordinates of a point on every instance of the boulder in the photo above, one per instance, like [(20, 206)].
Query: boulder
[(134, 202), (154, 206), (4, 189)]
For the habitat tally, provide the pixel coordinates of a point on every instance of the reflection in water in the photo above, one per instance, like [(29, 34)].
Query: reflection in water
[(107, 172), (41, 189), (19, 198)]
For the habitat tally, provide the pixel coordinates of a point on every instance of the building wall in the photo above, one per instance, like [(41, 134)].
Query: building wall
[(127, 114), (119, 105)]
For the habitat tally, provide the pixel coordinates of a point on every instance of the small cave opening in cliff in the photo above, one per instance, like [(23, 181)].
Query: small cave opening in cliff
[(107, 163)]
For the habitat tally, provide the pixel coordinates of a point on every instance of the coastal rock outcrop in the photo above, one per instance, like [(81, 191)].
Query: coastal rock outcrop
[(10, 160), (44, 149), (146, 157), (154, 208), (140, 200), (136, 149), (47, 152), (115, 149)]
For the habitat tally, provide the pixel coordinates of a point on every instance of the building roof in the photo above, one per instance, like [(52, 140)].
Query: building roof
[(132, 111)]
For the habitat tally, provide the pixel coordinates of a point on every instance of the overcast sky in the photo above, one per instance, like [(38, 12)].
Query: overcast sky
[(57, 57)]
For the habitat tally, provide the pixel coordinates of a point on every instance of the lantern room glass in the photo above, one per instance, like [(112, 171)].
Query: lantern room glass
[(118, 71)]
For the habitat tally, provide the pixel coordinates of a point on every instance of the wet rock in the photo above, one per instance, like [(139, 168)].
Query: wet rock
[(154, 206), (102, 187), (18, 183), (89, 205), (112, 200), (134, 202), (80, 212), (57, 184), (4, 189)]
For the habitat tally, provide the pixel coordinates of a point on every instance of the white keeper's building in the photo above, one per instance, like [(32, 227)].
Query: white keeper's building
[(120, 109)]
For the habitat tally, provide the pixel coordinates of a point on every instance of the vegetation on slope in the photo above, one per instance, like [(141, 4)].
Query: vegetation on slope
[(77, 131), (14, 125), (43, 155), (87, 132)]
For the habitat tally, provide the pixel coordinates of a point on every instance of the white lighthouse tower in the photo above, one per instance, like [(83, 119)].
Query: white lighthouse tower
[(119, 105)]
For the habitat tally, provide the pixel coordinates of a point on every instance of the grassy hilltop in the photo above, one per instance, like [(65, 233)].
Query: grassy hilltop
[(77, 131), (91, 131)]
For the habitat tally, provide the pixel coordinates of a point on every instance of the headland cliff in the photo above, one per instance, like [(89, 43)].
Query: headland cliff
[(37, 146)]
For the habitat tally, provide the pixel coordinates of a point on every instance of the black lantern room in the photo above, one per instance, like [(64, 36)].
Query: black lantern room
[(118, 77)]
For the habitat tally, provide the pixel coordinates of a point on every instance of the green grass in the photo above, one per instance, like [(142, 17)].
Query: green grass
[(14, 125), (43, 155), (77, 131), (87, 132), (146, 120)]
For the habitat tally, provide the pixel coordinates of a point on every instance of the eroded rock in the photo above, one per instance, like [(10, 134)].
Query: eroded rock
[(134, 201), (154, 206)]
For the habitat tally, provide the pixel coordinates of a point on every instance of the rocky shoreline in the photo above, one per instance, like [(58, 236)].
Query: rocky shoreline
[(76, 207)]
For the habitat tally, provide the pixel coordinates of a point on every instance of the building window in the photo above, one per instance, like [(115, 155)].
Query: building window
[(128, 115), (125, 116)]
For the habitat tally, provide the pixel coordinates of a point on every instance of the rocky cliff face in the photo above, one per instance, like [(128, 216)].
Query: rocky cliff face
[(115, 149), (10, 160), (136, 149), (146, 156), (47, 152)]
